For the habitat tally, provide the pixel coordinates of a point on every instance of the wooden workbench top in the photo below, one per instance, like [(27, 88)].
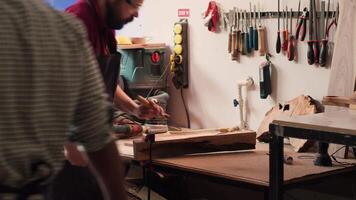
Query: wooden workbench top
[(250, 166)]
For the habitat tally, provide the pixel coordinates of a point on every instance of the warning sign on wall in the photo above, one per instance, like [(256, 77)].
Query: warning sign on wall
[(183, 12)]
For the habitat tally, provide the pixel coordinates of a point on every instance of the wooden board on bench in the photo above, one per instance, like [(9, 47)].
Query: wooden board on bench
[(169, 145)]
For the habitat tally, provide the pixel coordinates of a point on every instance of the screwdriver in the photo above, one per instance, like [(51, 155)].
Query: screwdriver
[(230, 33), (241, 32), (324, 42), (243, 35), (234, 54), (278, 43), (290, 51), (316, 42), (238, 32), (285, 31), (310, 53), (247, 36), (251, 40), (255, 32)]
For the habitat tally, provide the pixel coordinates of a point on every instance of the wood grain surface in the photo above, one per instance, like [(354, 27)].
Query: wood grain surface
[(168, 145), (342, 122), (250, 166), (343, 66)]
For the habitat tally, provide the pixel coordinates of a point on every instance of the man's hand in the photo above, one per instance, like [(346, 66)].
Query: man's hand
[(74, 156), (148, 109)]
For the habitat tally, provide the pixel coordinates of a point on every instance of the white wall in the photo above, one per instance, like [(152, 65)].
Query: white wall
[(213, 75)]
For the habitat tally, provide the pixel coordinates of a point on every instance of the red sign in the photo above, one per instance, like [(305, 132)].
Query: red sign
[(183, 12)]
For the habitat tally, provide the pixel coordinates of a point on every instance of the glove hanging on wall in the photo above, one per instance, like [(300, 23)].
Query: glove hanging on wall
[(211, 17)]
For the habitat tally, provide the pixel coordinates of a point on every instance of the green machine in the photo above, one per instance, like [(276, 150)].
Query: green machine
[(143, 69)]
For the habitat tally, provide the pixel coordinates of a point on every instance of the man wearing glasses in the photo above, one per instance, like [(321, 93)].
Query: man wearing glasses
[(101, 18)]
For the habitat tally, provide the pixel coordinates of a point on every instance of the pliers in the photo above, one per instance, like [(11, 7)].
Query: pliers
[(301, 26)]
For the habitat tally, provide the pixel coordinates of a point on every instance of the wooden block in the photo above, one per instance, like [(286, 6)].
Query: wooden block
[(169, 145), (338, 101)]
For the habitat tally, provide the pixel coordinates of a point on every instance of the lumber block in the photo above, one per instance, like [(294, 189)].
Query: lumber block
[(170, 145)]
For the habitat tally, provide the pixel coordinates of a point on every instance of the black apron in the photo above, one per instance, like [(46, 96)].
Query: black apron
[(110, 70)]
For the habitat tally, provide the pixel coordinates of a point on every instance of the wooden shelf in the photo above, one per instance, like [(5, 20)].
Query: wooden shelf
[(142, 46)]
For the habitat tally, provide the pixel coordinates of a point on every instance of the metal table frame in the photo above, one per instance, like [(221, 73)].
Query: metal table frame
[(278, 132)]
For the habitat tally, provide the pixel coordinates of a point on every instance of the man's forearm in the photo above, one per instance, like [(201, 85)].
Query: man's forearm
[(107, 167), (124, 102)]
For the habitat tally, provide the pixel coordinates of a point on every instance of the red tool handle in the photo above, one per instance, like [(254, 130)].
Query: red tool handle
[(285, 40), (316, 51)]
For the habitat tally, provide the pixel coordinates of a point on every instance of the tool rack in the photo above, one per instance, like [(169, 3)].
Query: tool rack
[(295, 14)]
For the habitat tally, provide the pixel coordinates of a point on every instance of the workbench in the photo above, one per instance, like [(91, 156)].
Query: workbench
[(240, 170), (333, 127)]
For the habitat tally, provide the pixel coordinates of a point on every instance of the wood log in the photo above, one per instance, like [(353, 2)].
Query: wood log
[(169, 145)]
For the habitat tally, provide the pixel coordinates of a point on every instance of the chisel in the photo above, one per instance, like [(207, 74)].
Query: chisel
[(278, 42), (261, 34), (251, 30), (285, 31), (243, 35), (230, 33), (247, 36), (310, 53), (234, 54)]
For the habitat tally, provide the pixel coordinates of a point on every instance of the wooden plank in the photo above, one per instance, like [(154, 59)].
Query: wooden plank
[(250, 167), (342, 122), (168, 145), (338, 101), (141, 46), (343, 67), (342, 77)]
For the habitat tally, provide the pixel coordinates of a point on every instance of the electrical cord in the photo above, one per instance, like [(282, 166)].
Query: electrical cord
[(354, 187), (332, 156), (185, 107), (338, 150), (149, 171), (157, 81), (341, 163)]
